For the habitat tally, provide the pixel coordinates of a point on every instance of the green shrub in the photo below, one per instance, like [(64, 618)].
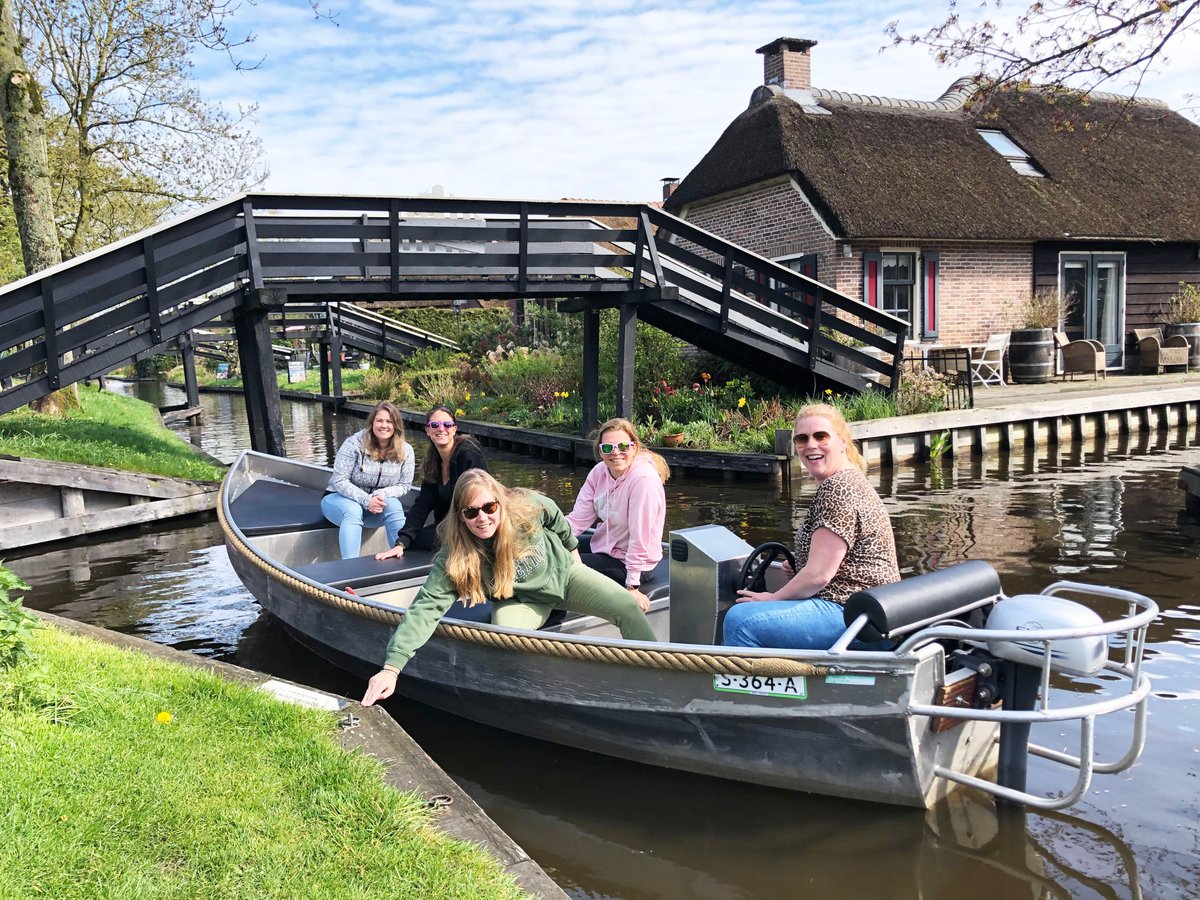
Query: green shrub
[(16, 623), (922, 391), (381, 384)]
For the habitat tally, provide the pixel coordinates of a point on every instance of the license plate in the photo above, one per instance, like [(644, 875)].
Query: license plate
[(795, 687)]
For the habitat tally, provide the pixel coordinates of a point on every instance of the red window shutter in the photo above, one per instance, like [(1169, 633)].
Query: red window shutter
[(873, 278), (930, 266)]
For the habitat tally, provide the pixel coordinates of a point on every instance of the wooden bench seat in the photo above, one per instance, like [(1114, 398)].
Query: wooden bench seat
[(272, 507), (367, 571)]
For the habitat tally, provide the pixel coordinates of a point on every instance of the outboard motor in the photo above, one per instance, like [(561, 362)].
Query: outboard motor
[(705, 563), (1020, 665)]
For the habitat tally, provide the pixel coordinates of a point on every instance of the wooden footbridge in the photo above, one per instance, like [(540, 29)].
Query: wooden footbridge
[(254, 256)]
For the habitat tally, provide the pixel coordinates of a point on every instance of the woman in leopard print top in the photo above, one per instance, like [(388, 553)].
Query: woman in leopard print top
[(845, 545)]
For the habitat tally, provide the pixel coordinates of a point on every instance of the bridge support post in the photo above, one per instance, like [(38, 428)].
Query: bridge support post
[(323, 354), (591, 371), (190, 384), (626, 347), (258, 368)]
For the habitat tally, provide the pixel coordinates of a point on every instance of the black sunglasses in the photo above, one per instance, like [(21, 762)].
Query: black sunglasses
[(821, 437), (470, 512), (436, 425), (623, 446)]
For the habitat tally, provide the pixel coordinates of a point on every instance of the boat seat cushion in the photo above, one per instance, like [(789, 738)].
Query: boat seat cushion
[(367, 571), (272, 507), (894, 609)]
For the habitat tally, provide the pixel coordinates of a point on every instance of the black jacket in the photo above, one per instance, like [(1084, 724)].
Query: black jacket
[(434, 496)]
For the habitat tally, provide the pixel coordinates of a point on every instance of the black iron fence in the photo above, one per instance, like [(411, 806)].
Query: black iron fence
[(951, 366)]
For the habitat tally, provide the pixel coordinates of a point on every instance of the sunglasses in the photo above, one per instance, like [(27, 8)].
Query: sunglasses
[(470, 512), (623, 446), (436, 425), (821, 437)]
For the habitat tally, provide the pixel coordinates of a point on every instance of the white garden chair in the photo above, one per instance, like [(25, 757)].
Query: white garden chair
[(987, 364)]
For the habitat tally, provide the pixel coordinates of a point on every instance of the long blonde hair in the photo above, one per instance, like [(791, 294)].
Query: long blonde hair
[(619, 424), (515, 537), (393, 452), (840, 428)]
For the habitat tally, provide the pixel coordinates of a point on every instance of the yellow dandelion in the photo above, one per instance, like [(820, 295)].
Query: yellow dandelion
[(741, 402), (566, 394), (467, 397), (164, 717), (828, 392), (459, 412)]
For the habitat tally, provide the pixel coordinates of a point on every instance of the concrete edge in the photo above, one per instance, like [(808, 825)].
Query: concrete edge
[(374, 732)]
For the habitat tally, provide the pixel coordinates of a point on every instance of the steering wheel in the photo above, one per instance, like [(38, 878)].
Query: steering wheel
[(754, 569)]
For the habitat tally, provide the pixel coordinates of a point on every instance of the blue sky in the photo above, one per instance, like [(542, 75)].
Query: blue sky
[(549, 98)]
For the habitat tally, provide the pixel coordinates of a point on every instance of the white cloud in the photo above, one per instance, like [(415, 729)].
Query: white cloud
[(548, 99)]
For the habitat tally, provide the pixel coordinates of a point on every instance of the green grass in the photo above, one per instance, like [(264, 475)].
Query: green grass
[(109, 430), (238, 795), (351, 379)]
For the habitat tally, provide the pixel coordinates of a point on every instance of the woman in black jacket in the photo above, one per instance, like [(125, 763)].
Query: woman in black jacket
[(449, 455)]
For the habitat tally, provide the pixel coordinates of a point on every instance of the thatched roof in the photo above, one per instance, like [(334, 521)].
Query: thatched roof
[(883, 169)]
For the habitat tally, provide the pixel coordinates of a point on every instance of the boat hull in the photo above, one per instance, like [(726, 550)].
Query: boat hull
[(843, 732)]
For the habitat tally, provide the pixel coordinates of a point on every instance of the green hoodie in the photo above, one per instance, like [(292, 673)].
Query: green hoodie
[(541, 577)]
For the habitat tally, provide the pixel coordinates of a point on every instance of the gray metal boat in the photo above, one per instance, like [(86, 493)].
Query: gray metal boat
[(951, 705)]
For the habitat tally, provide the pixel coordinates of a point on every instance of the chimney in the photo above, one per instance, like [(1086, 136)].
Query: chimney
[(669, 185), (787, 63)]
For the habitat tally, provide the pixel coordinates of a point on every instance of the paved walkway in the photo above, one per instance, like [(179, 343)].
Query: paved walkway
[(1115, 384)]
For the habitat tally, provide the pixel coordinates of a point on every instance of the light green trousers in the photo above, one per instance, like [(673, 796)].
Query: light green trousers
[(587, 592)]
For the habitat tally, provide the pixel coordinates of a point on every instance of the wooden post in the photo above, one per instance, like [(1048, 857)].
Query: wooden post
[(626, 349), (258, 368), (323, 349), (591, 371), (190, 384)]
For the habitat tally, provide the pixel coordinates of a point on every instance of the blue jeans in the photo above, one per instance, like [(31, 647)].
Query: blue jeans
[(350, 517), (812, 624)]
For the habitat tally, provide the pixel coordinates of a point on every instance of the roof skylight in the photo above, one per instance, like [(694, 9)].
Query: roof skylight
[(1010, 150)]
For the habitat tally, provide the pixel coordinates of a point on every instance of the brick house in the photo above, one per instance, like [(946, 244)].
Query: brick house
[(949, 213)]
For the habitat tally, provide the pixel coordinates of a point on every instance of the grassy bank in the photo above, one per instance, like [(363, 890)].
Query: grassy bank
[(108, 430), (125, 776)]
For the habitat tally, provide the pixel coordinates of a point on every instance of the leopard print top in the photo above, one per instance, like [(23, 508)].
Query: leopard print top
[(847, 505)]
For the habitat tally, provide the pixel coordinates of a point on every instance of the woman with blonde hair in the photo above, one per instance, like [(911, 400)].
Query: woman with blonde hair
[(845, 545), (373, 469), (515, 548), (624, 494)]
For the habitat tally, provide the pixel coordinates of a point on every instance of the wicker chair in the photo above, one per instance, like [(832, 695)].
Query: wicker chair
[(1081, 357), (1155, 353)]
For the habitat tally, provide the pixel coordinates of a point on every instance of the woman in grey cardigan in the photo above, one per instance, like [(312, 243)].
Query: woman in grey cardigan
[(372, 471)]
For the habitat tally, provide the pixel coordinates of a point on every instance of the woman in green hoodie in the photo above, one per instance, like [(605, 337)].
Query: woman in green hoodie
[(515, 547)]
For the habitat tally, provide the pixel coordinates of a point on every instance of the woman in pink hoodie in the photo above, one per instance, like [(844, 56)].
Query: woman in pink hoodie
[(623, 494)]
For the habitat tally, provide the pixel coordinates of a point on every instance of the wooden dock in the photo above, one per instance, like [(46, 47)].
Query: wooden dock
[(43, 501)]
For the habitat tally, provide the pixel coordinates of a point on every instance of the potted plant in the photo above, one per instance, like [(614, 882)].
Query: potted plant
[(1182, 316), (1031, 343), (671, 433)]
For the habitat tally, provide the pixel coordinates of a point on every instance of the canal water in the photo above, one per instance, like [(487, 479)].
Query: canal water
[(1102, 513)]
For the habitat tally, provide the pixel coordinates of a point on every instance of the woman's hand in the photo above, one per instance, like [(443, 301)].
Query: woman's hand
[(391, 553), (642, 600), (381, 686), (375, 503), (745, 595)]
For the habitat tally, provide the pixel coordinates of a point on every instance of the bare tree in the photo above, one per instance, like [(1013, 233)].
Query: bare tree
[(132, 138), (25, 140), (1069, 45)]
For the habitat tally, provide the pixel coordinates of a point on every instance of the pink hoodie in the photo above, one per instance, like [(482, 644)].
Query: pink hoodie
[(632, 511)]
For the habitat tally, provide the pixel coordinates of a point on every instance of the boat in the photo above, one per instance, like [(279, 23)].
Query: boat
[(951, 705)]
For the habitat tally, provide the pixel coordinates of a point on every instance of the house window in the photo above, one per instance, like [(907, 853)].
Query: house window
[(1010, 150), (899, 285)]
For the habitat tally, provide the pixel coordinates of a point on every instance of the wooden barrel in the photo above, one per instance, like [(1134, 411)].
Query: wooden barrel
[(1031, 355), (1191, 331)]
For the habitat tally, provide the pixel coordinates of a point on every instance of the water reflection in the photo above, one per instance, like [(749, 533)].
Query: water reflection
[(1106, 512)]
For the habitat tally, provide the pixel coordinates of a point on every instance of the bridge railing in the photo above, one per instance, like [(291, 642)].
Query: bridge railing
[(140, 292)]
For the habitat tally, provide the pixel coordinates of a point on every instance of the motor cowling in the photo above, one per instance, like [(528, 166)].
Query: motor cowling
[(1040, 612)]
